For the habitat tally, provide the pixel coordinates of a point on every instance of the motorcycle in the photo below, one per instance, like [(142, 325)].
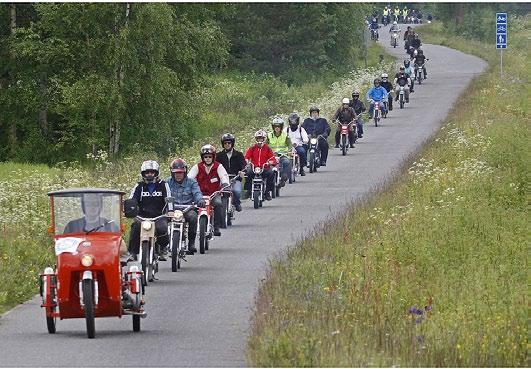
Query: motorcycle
[(205, 224), (295, 164), (394, 39), (149, 250), (418, 71), (377, 113), (178, 234), (402, 96), (314, 154), (258, 186), (277, 176), (90, 279), (227, 199), (343, 136)]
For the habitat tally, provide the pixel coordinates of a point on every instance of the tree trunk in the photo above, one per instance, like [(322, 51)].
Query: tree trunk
[(12, 132), (114, 139)]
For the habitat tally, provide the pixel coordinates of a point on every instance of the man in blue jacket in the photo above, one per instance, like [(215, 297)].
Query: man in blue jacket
[(376, 94), (318, 127), (186, 192)]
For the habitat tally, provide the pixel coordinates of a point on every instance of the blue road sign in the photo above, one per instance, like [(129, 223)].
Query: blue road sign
[(501, 30), (501, 38), (501, 18)]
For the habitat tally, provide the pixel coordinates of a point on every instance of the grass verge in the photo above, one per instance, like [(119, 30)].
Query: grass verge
[(238, 104), (431, 271)]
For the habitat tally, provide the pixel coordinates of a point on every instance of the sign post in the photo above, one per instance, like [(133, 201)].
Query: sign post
[(501, 36)]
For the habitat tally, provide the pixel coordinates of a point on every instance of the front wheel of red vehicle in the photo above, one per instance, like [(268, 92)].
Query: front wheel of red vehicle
[(202, 234), (88, 302), (136, 323), (50, 295)]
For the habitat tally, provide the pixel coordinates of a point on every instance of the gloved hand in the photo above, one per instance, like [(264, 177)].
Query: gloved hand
[(201, 203)]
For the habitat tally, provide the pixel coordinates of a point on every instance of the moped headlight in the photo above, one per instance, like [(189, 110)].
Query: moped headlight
[(87, 260), (178, 215), (313, 141), (257, 170), (146, 225)]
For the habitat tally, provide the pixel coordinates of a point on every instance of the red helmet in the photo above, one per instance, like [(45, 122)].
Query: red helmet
[(178, 166)]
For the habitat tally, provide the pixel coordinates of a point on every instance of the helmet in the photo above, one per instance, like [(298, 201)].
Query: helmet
[(277, 121), (406, 63), (294, 119), (394, 23), (314, 108), (402, 68), (178, 166), (385, 75), (355, 94), (208, 149), (150, 165), (345, 101), (228, 137), (377, 81), (420, 52), (260, 133)]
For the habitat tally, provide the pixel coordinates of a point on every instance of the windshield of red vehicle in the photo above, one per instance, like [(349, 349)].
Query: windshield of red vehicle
[(87, 212)]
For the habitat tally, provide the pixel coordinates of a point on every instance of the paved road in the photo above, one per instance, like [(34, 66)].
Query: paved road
[(200, 316)]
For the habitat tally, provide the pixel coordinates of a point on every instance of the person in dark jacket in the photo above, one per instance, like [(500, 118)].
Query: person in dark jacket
[(186, 191), (318, 127), (150, 195), (389, 87), (420, 61), (415, 42), (345, 114), (359, 108), (235, 164)]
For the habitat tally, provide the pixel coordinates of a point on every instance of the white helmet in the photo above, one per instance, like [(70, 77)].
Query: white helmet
[(385, 75), (395, 23), (260, 133), (277, 121), (150, 165), (345, 101)]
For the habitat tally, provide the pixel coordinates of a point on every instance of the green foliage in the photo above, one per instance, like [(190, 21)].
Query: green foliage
[(448, 238)]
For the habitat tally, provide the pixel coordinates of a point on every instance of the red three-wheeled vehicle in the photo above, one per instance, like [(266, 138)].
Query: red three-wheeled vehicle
[(90, 279)]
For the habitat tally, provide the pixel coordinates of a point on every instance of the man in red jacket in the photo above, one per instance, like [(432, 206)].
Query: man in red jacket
[(211, 177), (261, 155)]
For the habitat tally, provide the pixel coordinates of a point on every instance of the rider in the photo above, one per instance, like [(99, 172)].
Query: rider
[(415, 42), (396, 13), (150, 195), (394, 28), (211, 177), (388, 87), (299, 139), (420, 60), (404, 14), (234, 163), (376, 94), (345, 114), (92, 220), (261, 155), (280, 143), (408, 35), (186, 191), (374, 27), (409, 71), (402, 79), (318, 127), (385, 15), (359, 108)]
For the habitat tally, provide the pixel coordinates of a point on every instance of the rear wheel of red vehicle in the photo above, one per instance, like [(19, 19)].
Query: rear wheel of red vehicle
[(88, 302), (145, 262), (175, 251), (202, 234), (136, 323)]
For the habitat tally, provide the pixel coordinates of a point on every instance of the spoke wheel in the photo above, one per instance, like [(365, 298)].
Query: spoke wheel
[(202, 234), (175, 251)]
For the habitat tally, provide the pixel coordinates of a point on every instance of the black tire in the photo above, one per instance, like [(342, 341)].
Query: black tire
[(224, 211), (376, 120), (202, 234), (51, 321), (256, 199), (145, 262), (401, 104), (277, 192), (88, 301), (136, 323), (175, 251), (344, 145), (311, 161)]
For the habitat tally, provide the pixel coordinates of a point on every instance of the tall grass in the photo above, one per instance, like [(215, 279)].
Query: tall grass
[(432, 270), (230, 103)]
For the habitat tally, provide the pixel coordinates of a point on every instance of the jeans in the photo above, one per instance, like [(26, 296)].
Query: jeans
[(359, 126), (302, 155), (285, 167), (267, 175), (218, 210), (371, 108), (191, 217), (161, 234), (237, 192)]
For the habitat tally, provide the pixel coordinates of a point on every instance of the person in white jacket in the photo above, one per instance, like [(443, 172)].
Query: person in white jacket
[(299, 139)]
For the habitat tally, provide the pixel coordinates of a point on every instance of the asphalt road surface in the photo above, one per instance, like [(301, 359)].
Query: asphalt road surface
[(199, 317)]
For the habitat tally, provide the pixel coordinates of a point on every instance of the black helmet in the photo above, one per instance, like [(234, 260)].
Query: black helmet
[(406, 63), (294, 119), (420, 52), (314, 108), (228, 137), (377, 81)]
